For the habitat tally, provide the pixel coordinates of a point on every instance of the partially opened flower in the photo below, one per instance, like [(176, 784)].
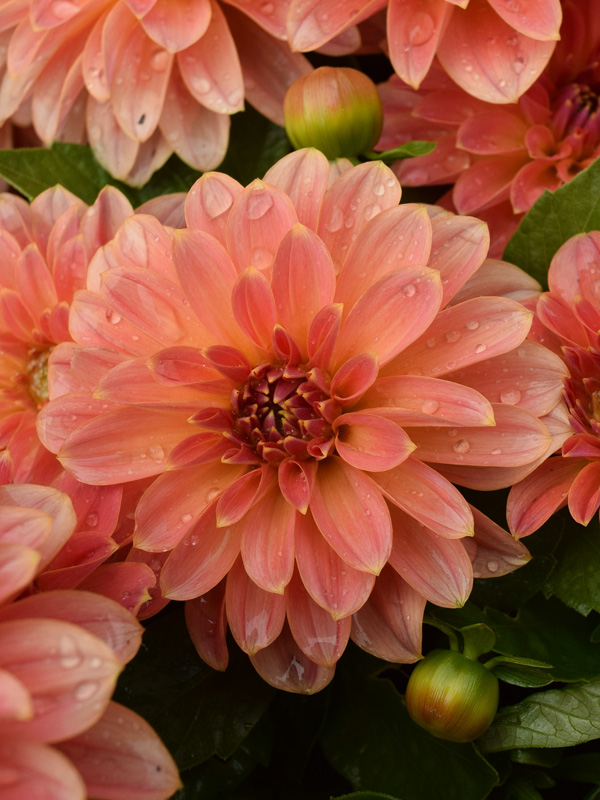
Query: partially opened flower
[(141, 79), (298, 369), (493, 49), (502, 159), (569, 323), (60, 655)]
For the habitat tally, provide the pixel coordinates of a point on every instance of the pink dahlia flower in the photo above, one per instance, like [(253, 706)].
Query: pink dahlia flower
[(60, 655), (568, 321), (141, 79), (493, 49), (299, 369), (502, 159)]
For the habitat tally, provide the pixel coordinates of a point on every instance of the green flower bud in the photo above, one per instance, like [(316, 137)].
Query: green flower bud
[(335, 109), (452, 696)]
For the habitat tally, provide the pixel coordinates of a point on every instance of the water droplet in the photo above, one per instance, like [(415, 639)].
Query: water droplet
[(371, 211), (186, 518), (212, 493), (69, 655), (379, 189), (160, 61), (85, 691), (431, 342), (492, 566), (430, 406), (113, 317), (201, 85), (62, 9), (258, 204), (510, 396), (95, 662), (480, 348), (472, 325), (216, 198), (336, 220), (235, 98), (518, 64), (452, 336), (422, 28), (157, 453), (496, 452), (452, 431), (261, 258), (409, 289), (267, 8), (461, 446), (92, 519)]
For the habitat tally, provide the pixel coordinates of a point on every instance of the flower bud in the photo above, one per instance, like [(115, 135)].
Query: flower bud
[(336, 109), (452, 696)]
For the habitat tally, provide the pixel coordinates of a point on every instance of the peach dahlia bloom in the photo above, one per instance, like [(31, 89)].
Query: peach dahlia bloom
[(568, 321), (141, 79), (493, 49), (61, 737), (502, 159), (298, 369)]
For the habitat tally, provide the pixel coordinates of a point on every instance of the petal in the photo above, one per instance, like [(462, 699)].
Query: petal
[(15, 700), (311, 24), (206, 622), (303, 175), (18, 567), (436, 567), (115, 151), (296, 482), (487, 182), (255, 616), (254, 307), (176, 26), (459, 246), (428, 497), (330, 581), (242, 495), (538, 19), (208, 203), (414, 32), (352, 515), (125, 582), (369, 442), (584, 494), (494, 131), (389, 625), (353, 379), (492, 550), (39, 771)]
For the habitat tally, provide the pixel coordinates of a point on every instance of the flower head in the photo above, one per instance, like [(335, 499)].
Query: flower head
[(502, 159), (299, 369), (494, 50), (141, 80), (568, 322)]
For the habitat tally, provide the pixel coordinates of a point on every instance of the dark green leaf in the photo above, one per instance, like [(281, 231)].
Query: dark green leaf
[(556, 718), (370, 740), (576, 579), (477, 639), (528, 677), (197, 711), (554, 218), (548, 631), (583, 767), (537, 757), (408, 150)]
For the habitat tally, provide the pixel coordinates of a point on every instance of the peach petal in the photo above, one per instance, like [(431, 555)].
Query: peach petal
[(424, 494), (487, 182), (321, 638), (176, 26), (492, 550), (122, 758), (86, 551), (177, 366), (414, 32), (207, 625), (559, 316), (199, 449), (370, 442), (141, 241), (312, 23), (28, 527), (494, 131), (211, 69), (167, 208), (38, 770), (538, 19), (296, 481), (371, 188), (437, 568), (255, 616), (92, 67), (112, 147), (458, 249), (208, 203), (530, 182), (242, 495), (154, 601), (254, 307), (532, 501), (322, 335), (126, 582), (303, 175), (102, 220), (18, 567), (352, 515), (284, 666), (268, 541), (57, 89), (132, 382), (584, 494), (69, 673), (55, 422), (495, 277), (353, 379), (15, 700), (201, 559), (389, 625), (573, 268), (89, 453), (176, 500), (390, 315)]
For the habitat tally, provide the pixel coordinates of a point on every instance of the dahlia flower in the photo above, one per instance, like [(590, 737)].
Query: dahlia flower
[(493, 49), (502, 159), (60, 655), (568, 321), (298, 369), (141, 79)]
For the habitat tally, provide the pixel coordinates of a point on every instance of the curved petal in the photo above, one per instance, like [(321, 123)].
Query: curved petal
[(538, 19), (208, 203), (176, 26), (584, 494), (206, 622), (312, 23), (370, 442), (458, 248), (414, 32), (40, 771), (303, 175), (254, 307), (492, 550)]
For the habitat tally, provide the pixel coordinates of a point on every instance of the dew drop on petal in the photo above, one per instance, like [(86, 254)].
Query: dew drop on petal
[(472, 325), (510, 396), (92, 519), (85, 691), (160, 61), (492, 566), (496, 452), (480, 348), (201, 85), (216, 199), (186, 518), (409, 289), (430, 406), (461, 446), (422, 28), (258, 205), (452, 336), (336, 220), (69, 655)]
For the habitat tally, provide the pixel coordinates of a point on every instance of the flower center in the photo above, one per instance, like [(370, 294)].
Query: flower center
[(576, 108), (37, 375), (284, 411)]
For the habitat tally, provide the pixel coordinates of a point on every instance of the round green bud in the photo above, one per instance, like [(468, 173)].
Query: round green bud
[(335, 109), (452, 696)]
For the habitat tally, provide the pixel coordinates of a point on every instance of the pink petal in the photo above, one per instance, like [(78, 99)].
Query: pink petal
[(369, 442), (424, 494), (126, 582), (211, 69), (468, 333), (494, 131), (268, 542), (39, 771), (532, 501), (389, 625), (254, 307), (284, 666), (176, 26), (259, 219), (312, 23), (69, 673), (332, 584), (202, 559), (85, 551), (353, 379), (242, 495), (436, 567), (495, 277), (115, 151), (414, 32), (321, 638), (573, 267), (92, 67), (133, 383), (352, 515), (18, 567), (530, 182), (141, 241), (122, 758), (487, 182), (199, 449), (370, 188), (458, 248), (323, 334), (413, 400), (538, 19), (27, 527), (497, 73), (15, 700), (102, 220), (296, 482), (400, 236), (57, 420), (207, 625), (584, 494), (208, 203), (56, 90), (493, 550), (167, 208), (255, 616), (303, 175)]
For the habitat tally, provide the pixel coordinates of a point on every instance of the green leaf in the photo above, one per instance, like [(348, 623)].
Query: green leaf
[(548, 631), (583, 767), (576, 579), (365, 796), (408, 150), (537, 757), (556, 718), (255, 144), (370, 740), (477, 639), (197, 711), (554, 218)]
